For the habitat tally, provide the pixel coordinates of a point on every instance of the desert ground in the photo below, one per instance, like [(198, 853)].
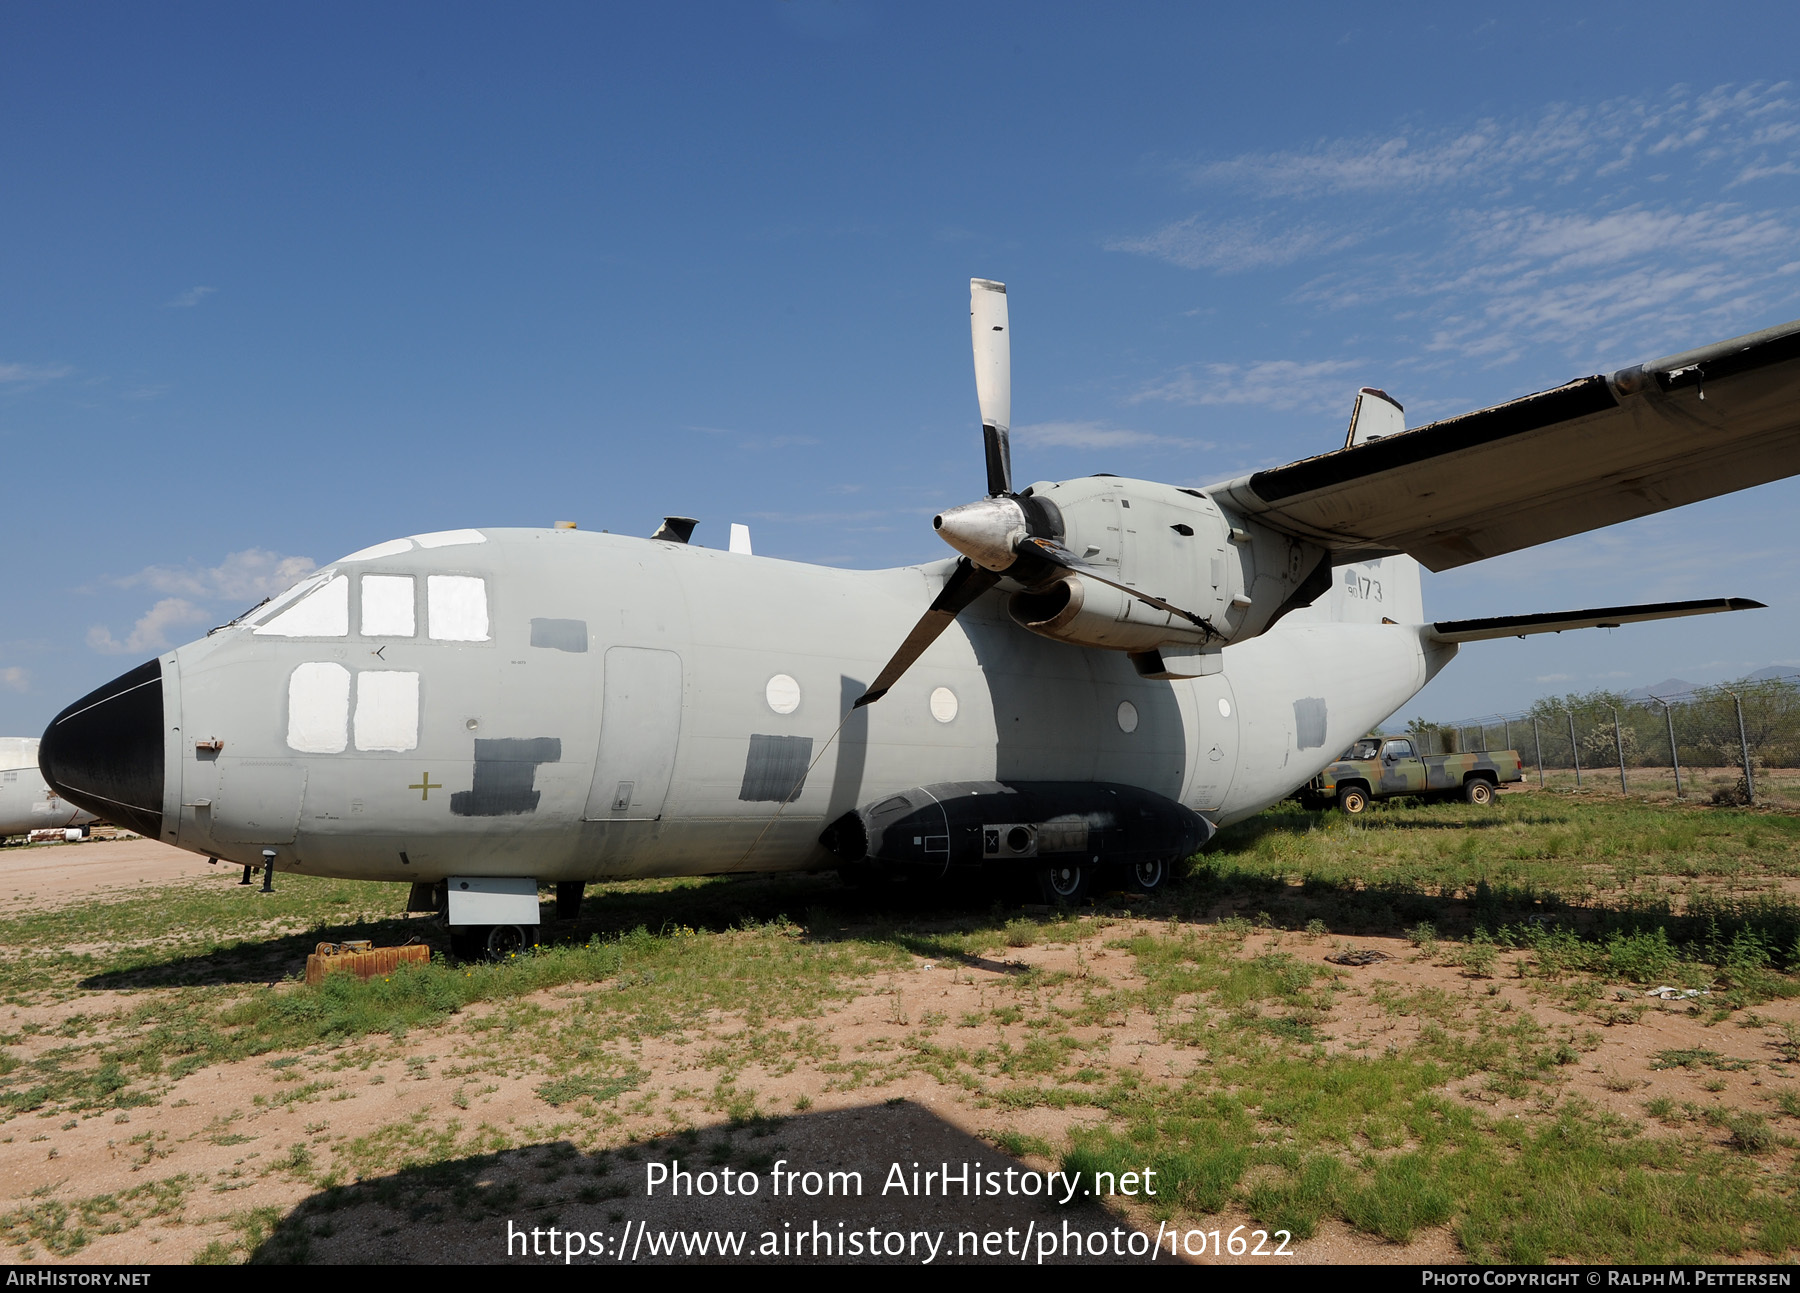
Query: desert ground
[(1567, 1028)]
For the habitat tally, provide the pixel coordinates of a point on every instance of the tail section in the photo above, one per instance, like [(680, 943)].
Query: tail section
[(1387, 588)]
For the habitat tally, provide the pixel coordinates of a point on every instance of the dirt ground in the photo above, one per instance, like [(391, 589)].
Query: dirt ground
[(97, 870), (229, 1127)]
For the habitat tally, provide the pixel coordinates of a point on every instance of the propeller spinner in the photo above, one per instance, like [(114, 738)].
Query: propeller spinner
[(1000, 533)]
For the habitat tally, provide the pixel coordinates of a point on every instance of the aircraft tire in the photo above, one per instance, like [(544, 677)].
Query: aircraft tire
[(1478, 791), (1353, 800), (1063, 885), (1149, 876), (503, 941)]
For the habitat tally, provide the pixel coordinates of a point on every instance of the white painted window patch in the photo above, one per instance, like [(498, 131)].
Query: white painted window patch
[(783, 694), (1224, 708), (449, 538), (456, 608), (387, 710), (943, 704), (1128, 716), (322, 613), (387, 606), (318, 708)]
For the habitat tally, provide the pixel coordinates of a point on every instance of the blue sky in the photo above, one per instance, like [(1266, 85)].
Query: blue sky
[(277, 282)]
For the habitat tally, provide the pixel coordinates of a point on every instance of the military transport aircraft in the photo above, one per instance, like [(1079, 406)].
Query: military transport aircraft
[(26, 803), (1108, 671)]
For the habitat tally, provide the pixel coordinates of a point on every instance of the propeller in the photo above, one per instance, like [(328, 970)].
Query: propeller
[(993, 378), (1003, 533)]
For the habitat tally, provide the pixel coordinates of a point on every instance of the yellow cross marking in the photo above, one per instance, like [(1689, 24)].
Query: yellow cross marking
[(425, 785)]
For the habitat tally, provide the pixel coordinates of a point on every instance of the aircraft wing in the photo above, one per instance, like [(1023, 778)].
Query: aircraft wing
[(1591, 453), (1607, 617)]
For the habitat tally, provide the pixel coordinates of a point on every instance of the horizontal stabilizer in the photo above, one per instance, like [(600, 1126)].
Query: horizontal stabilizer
[(1607, 617), (1594, 452)]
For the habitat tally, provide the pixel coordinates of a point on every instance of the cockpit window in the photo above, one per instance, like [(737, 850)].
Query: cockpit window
[(319, 611), (387, 606), (456, 608)]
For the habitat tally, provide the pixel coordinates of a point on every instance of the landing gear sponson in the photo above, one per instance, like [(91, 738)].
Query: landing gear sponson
[(1061, 835)]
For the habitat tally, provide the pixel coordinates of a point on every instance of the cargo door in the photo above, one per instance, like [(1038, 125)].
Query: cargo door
[(1215, 746), (640, 726)]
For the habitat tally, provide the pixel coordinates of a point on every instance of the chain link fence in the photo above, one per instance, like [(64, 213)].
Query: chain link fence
[(1736, 743)]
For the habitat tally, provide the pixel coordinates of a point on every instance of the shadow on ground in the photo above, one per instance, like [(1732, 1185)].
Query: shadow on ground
[(503, 1206)]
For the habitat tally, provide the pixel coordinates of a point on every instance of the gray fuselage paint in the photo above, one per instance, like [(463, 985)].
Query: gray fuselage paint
[(684, 643)]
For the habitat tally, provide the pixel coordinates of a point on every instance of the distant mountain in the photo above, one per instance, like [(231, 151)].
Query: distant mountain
[(1669, 688)]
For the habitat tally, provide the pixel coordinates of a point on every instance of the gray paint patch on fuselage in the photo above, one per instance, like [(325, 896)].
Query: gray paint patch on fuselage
[(775, 768), (1309, 722), (560, 635), (504, 771)]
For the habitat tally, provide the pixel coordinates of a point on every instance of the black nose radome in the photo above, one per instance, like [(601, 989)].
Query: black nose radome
[(104, 753)]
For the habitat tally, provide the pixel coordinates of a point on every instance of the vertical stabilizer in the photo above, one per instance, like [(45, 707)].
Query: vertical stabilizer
[(1368, 592)]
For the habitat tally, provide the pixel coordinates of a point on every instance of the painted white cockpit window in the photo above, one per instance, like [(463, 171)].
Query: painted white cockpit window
[(387, 606), (1128, 717), (943, 704), (1224, 708), (449, 538), (322, 613), (387, 710), (392, 548), (783, 694), (456, 608), (318, 708)]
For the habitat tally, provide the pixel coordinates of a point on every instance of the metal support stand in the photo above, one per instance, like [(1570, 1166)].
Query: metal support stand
[(268, 871)]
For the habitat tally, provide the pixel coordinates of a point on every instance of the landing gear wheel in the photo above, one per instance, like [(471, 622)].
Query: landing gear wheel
[(1064, 884), (508, 940), (1148, 876), (1353, 800), (1478, 791)]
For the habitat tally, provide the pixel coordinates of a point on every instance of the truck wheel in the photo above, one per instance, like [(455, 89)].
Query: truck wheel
[(1478, 791), (1353, 799)]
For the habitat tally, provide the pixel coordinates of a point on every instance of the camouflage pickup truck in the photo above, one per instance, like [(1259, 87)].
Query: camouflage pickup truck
[(1382, 768)]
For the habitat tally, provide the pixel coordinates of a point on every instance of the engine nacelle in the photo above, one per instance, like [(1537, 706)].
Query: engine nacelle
[(1177, 545)]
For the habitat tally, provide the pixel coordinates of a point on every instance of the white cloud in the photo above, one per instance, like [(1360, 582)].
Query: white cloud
[(33, 372), (190, 298), (1563, 144), (1096, 435), (1276, 383), (1597, 231), (243, 576), (150, 633), (1234, 246), (13, 678)]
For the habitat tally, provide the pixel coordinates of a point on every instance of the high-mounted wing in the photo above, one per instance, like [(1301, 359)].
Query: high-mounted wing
[(1588, 454), (1607, 617)]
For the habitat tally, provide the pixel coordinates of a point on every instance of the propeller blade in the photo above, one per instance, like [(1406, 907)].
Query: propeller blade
[(1057, 555), (967, 582), (993, 378)]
